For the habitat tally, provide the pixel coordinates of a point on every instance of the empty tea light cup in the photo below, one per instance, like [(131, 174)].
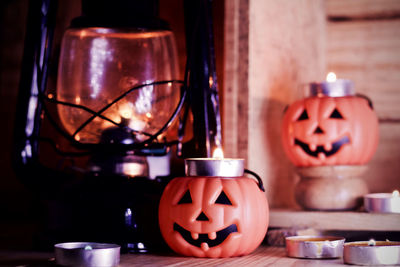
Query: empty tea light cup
[(372, 252), (314, 247), (382, 202)]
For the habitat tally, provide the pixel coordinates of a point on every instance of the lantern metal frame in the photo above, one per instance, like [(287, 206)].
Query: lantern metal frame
[(87, 147)]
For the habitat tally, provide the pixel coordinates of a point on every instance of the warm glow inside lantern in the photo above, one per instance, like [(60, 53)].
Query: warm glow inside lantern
[(98, 69), (331, 127)]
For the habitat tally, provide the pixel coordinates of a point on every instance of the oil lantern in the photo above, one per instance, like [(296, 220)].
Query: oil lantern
[(95, 116)]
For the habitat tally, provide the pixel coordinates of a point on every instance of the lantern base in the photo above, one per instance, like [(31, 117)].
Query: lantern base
[(331, 187), (104, 209)]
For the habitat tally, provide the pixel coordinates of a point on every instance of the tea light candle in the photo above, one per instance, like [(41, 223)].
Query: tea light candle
[(382, 202), (215, 166), (87, 254), (372, 253), (332, 87), (218, 166), (223, 167), (314, 247)]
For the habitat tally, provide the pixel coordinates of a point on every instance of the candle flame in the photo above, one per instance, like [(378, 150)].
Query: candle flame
[(331, 77), (126, 110), (371, 242), (218, 153), (396, 193)]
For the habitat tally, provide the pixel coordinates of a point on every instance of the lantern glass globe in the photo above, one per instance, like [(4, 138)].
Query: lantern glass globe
[(98, 65)]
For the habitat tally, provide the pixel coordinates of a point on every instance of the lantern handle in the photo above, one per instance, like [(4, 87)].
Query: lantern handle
[(260, 183)]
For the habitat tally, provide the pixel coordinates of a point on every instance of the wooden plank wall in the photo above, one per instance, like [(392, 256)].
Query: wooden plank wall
[(273, 47), (363, 44), (266, 58), (235, 90)]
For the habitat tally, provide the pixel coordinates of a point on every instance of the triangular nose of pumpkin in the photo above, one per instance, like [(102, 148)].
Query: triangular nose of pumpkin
[(318, 130), (202, 217)]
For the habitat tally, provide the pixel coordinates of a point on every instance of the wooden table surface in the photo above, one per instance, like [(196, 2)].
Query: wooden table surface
[(263, 256)]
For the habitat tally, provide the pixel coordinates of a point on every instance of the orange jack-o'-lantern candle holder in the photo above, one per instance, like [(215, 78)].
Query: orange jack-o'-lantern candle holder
[(214, 211), (332, 126)]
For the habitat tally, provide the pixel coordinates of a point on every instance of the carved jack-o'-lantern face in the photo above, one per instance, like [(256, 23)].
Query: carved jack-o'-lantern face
[(213, 216), (330, 131)]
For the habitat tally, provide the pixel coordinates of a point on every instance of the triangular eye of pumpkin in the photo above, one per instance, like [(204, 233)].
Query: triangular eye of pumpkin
[(336, 114), (223, 199), (187, 198), (303, 116)]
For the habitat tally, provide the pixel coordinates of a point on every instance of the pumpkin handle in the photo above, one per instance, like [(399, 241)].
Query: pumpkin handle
[(260, 183), (366, 98)]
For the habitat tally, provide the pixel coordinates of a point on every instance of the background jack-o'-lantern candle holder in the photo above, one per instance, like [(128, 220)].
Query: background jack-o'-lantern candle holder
[(329, 136), (214, 211)]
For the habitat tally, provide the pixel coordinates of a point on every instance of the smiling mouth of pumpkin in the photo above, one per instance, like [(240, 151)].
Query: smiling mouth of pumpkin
[(320, 149), (205, 241)]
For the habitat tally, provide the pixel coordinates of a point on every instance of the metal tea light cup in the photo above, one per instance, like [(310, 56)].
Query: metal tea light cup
[(223, 167), (338, 88), (376, 253), (87, 254), (382, 203), (314, 247)]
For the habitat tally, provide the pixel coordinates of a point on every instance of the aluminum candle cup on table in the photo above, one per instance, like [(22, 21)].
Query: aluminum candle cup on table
[(314, 247), (87, 254), (382, 202), (372, 253)]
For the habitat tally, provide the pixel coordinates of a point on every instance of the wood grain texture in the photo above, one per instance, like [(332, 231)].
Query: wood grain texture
[(383, 173), (263, 256), (366, 49), (358, 9), (229, 107), (235, 101), (368, 52), (291, 43), (286, 50), (356, 221)]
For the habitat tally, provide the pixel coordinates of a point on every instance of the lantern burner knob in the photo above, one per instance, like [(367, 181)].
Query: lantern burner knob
[(117, 135)]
